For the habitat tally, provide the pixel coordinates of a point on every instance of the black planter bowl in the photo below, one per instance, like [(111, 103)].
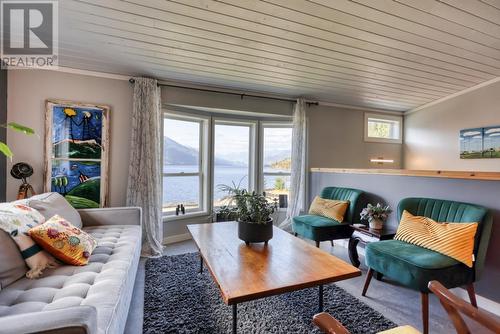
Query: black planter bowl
[(251, 232)]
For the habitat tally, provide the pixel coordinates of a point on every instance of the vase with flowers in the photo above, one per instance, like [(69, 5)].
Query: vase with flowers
[(376, 215)]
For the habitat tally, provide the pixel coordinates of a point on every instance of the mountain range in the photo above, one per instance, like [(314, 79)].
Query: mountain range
[(178, 154)]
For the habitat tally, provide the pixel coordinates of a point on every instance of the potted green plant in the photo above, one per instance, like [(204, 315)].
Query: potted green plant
[(253, 212), (376, 215), (255, 223)]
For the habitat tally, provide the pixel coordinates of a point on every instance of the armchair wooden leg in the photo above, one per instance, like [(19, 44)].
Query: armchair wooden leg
[(472, 294), (317, 244), (369, 276), (425, 311), (331, 241)]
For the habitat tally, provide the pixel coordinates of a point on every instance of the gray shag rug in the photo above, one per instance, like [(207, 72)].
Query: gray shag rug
[(178, 299)]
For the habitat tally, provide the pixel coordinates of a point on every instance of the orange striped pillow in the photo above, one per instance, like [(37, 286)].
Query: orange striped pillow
[(455, 240)]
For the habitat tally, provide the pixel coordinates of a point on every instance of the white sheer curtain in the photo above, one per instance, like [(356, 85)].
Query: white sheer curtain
[(298, 173), (145, 174)]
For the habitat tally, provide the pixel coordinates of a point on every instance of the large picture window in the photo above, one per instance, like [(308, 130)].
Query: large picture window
[(183, 164), (202, 153)]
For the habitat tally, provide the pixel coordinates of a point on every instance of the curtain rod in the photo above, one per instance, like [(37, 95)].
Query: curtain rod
[(132, 80)]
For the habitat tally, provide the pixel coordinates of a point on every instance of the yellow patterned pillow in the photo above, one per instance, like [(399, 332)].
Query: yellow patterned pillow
[(455, 240), (64, 241), (329, 208)]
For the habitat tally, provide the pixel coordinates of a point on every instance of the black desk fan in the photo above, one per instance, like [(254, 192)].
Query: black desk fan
[(22, 171)]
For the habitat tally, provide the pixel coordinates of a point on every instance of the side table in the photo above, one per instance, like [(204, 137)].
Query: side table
[(365, 235)]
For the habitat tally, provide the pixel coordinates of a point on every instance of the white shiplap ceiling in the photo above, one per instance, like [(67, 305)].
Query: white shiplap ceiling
[(386, 54)]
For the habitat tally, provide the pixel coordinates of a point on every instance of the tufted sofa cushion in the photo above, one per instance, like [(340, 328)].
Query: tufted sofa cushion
[(106, 283)]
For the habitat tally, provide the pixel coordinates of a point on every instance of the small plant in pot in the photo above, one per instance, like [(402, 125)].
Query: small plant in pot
[(376, 215), (226, 213)]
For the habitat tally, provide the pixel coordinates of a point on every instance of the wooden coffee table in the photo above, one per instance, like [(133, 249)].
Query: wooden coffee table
[(245, 273)]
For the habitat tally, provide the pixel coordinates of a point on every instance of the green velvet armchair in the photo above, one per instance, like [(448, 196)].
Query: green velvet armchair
[(414, 266), (320, 228)]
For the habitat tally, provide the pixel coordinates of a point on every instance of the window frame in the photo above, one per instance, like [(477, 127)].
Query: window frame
[(203, 163), (262, 173), (391, 118), (253, 125)]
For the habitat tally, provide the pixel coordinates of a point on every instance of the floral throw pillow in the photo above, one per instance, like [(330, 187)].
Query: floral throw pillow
[(16, 219), (64, 241)]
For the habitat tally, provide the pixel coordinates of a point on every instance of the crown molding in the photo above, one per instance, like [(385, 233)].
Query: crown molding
[(446, 98)]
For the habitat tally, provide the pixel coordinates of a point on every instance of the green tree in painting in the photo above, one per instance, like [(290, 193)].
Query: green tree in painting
[(60, 183)]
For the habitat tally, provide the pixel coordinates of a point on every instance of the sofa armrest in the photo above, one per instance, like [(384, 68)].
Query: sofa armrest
[(111, 216), (71, 320)]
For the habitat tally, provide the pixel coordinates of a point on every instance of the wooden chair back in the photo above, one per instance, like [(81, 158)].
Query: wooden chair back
[(455, 307)]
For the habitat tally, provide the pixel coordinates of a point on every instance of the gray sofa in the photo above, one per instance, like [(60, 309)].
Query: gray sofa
[(91, 299)]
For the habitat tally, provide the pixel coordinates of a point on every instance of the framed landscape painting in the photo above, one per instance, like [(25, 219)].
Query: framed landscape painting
[(480, 143), (76, 152)]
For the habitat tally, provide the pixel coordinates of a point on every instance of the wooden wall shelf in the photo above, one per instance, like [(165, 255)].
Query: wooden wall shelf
[(470, 175)]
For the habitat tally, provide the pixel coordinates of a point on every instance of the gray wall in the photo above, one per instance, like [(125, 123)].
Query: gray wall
[(431, 134), (27, 92), (3, 135), (336, 139), (224, 102), (390, 189)]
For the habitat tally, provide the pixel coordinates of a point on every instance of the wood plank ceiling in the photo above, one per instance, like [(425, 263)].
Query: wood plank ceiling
[(388, 54)]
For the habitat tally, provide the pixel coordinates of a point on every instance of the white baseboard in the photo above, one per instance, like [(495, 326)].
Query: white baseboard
[(483, 302), (176, 238)]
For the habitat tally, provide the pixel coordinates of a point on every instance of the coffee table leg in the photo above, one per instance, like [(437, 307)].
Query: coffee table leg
[(201, 263), (320, 299), (235, 318)]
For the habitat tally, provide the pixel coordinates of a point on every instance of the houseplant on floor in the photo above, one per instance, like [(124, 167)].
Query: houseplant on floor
[(254, 216), (376, 215)]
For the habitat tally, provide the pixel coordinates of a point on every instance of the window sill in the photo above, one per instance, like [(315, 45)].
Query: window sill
[(190, 215), (383, 140)]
